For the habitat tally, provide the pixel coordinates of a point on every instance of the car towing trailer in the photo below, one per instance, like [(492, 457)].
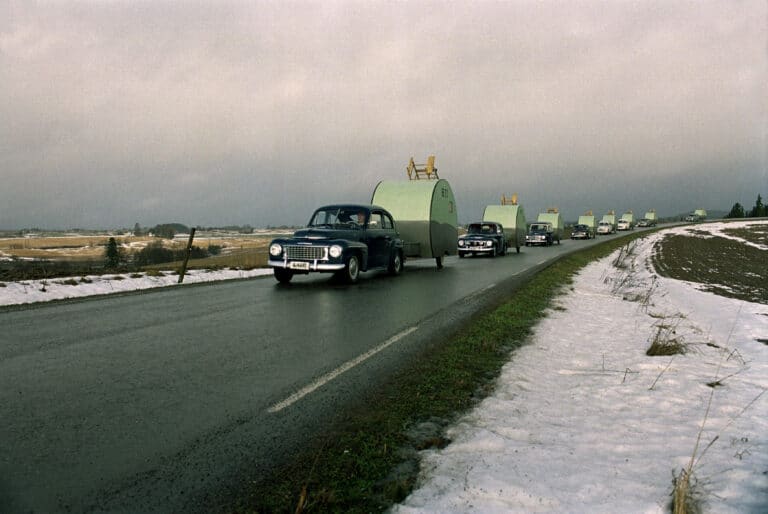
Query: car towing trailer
[(511, 216)]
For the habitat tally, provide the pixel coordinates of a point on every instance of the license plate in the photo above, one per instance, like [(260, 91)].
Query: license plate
[(298, 265)]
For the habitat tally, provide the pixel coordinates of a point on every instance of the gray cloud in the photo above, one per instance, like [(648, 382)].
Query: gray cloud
[(122, 112)]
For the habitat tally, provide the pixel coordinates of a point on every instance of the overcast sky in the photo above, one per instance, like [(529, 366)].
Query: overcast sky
[(214, 113)]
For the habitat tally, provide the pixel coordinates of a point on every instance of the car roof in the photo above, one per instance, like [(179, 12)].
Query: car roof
[(367, 207)]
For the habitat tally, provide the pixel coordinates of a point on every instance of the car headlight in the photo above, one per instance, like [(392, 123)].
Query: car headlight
[(335, 251), (489, 243), (275, 250), (461, 242)]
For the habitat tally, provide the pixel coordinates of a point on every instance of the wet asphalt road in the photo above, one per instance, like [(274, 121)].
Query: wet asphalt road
[(169, 400)]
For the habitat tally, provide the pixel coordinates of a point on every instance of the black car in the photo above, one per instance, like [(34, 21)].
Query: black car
[(340, 239), (483, 238), (539, 233), (581, 232)]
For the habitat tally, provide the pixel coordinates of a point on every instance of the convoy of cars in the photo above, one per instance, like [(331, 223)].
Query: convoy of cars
[(417, 219)]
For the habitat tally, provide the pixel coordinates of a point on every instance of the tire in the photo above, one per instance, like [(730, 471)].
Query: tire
[(283, 275), (503, 248), (518, 248), (461, 255), (395, 263), (439, 262), (351, 272)]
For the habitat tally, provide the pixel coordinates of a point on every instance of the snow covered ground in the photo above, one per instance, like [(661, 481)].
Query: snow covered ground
[(31, 291), (582, 420)]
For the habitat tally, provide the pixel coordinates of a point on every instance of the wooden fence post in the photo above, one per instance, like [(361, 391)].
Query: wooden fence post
[(186, 255)]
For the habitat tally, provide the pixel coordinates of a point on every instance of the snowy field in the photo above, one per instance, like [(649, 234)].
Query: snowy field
[(31, 291), (582, 420)]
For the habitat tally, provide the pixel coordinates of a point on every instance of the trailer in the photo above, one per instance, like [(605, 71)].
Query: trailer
[(701, 213), (424, 210), (553, 217), (512, 219), (608, 223), (589, 220), (627, 221), (650, 219)]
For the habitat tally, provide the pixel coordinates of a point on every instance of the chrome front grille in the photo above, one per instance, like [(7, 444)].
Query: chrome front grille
[(307, 253)]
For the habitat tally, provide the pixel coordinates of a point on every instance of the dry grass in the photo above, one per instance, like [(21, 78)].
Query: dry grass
[(665, 341), (245, 252)]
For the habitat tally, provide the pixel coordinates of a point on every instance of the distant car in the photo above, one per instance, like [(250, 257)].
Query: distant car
[(485, 238), (581, 232), (539, 233), (605, 228), (692, 217), (341, 239), (644, 223), (624, 225)]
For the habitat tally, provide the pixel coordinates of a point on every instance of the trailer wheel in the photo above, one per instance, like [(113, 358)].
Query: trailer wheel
[(439, 262), (395, 263), (503, 248), (283, 275), (518, 248)]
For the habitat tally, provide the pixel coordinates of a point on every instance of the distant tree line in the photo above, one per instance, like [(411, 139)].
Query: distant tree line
[(154, 253), (758, 211)]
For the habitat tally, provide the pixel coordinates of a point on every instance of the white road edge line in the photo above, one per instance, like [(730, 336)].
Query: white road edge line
[(301, 393)]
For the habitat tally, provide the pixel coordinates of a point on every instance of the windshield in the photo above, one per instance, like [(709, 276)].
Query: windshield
[(481, 228), (339, 217), (539, 226)]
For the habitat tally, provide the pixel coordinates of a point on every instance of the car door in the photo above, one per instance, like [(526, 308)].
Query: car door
[(380, 237)]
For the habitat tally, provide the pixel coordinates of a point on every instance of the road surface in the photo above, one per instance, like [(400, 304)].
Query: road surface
[(165, 400)]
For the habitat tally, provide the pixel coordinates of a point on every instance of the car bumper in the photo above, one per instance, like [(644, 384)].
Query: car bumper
[(467, 249), (313, 266)]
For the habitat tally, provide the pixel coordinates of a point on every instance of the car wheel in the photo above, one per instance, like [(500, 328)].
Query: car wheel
[(351, 271), (503, 248), (395, 263), (461, 255), (283, 275)]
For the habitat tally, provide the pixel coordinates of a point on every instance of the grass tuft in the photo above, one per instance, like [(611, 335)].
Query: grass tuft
[(666, 342)]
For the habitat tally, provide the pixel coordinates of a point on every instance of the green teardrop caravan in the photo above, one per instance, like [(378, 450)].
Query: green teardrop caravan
[(512, 219), (553, 217), (589, 220), (424, 209)]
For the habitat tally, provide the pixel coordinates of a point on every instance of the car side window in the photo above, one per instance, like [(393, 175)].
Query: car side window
[(375, 222), (386, 222)]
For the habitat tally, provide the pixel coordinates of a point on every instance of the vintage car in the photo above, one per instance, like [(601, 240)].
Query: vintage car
[(581, 232), (539, 234), (484, 238), (624, 225), (605, 227), (644, 223), (341, 239)]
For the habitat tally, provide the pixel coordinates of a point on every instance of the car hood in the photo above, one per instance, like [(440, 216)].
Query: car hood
[(478, 237), (315, 234)]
